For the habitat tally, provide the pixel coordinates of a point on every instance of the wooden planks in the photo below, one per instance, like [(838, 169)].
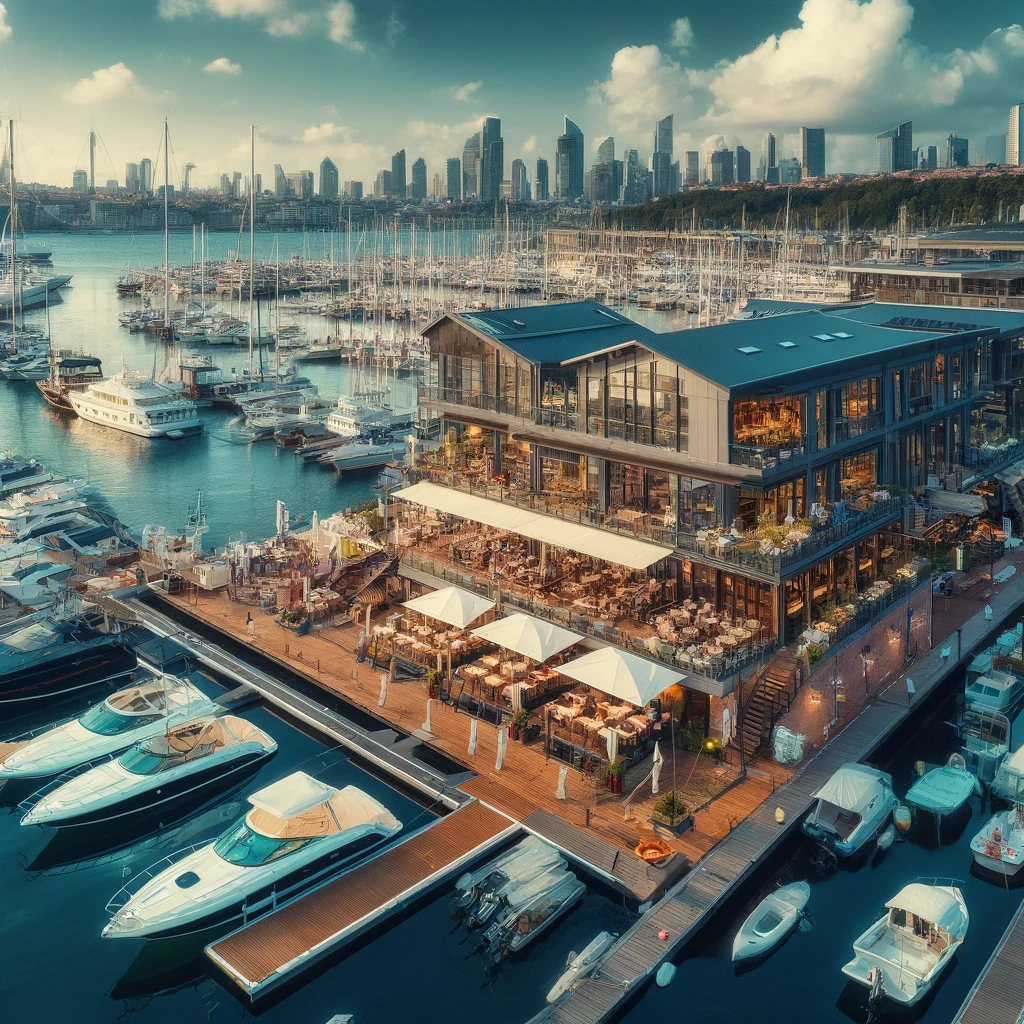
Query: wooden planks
[(574, 840), (268, 946), (998, 995)]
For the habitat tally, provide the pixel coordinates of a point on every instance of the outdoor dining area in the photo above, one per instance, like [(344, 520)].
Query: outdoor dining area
[(695, 632)]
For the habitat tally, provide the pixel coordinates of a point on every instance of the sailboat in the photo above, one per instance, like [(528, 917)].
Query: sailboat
[(130, 282)]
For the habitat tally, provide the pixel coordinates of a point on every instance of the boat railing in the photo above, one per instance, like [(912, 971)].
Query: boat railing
[(133, 883), (30, 801)]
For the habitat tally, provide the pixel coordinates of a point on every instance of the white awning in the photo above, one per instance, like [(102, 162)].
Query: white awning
[(588, 540), (530, 637), (940, 905), (619, 674), (452, 605), (292, 795)]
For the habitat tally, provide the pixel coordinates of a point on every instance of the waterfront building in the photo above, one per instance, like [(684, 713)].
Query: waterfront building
[(382, 184), (453, 169), (742, 164), (398, 180), (519, 184), (328, 178), (80, 181), (812, 152), (894, 149), (419, 178), (956, 152), (471, 167), (1015, 136), (569, 163), (352, 190), (492, 159), (146, 175), (541, 192), (692, 167)]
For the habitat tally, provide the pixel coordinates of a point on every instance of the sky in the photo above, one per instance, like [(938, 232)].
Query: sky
[(357, 80)]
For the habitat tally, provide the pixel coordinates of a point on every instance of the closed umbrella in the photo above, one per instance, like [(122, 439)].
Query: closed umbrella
[(563, 774), (383, 690), (502, 740), (426, 724), (471, 749), (656, 770), (612, 742)]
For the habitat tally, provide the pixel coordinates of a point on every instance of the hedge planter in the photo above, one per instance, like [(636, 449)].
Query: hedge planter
[(681, 825)]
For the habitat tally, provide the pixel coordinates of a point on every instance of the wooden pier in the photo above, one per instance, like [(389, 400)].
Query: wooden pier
[(997, 997), (265, 954)]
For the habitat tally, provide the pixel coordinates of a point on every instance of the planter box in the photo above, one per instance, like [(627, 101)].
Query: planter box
[(678, 828)]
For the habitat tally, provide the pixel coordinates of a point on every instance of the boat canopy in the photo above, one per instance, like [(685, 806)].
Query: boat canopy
[(854, 786), (938, 905), (292, 795)]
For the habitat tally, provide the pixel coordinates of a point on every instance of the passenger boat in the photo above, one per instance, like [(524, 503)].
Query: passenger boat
[(48, 659), (132, 402), (851, 809), (579, 965), (772, 920), (137, 713), (200, 755), (902, 955), (999, 846), (299, 832), (943, 791)]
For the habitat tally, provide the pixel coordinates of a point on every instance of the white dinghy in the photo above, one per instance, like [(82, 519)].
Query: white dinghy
[(579, 965), (772, 920)]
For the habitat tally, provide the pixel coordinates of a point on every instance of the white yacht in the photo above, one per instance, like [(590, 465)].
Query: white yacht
[(188, 759), (851, 809), (20, 510), (999, 846), (135, 403), (299, 831), (364, 454), (355, 418), (903, 953), (137, 713)]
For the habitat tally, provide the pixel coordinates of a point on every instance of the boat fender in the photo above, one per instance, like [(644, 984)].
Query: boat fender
[(663, 934), (780, 816), (666, 972)]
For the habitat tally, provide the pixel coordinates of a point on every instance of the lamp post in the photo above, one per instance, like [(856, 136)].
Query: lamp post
[(865, 661)]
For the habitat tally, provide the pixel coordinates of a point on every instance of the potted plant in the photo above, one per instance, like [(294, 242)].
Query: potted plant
[(519, 723), (433, 682), (614, 774), (672, 813)]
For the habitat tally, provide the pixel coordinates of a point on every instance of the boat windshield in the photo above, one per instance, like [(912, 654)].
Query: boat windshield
[(248, 848), (103, 721), (141, 761)]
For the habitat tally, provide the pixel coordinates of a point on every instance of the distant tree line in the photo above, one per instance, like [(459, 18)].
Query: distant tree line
[(862, 205)]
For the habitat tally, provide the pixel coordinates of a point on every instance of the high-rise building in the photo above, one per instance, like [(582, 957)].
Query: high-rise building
[(492, 160), (789, 171), (519, 184), (352, 189), (146, 175), (742, 164), (225, 185), (280, 182), (569, 163), (956, 151), (471, 167), (80, 181), (236, 184), (419, 178), (635, 188), (995, 149), (259, 183), (382, 184), (812, 152), (661, 158), (454, 171), (1015, 136), (299, 184), (894, 149), (440, 187), (131, 177), (771, 163), (606, 151), (328, 178), (398, 178), (692, 167), (541, 192), (720, 167)]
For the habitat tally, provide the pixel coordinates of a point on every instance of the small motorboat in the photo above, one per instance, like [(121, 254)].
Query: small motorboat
[(579, 965), (850, 809), (943, 791), (999, 846), (772, 920)]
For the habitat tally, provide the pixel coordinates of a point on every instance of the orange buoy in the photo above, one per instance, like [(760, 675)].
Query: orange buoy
[(663, 934)]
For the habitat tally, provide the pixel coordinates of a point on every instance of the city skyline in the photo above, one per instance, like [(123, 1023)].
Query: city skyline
[(757, 79)]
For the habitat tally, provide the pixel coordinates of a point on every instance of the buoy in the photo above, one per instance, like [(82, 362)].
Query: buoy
[(885, 838), (666, 972), (901, 815), (780, 815), (663, 934)]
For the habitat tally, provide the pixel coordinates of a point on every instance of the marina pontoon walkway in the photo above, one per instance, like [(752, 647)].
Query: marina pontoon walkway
[(998, 995), (264, 954)]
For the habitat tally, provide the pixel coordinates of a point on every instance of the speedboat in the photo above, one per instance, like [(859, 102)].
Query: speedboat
[(903, 953), (851, 808), (198, 755), (943, 791), (772, 920), (299, 832), (579, 965), (999, 846), (126, 717)]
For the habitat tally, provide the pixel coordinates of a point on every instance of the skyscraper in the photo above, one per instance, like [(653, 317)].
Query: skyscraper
[(541, 192), (956, 151), (146, 175), (398, 174), (440, 187), (382, 184), (606, 151), (352, 189), (932, 158), (894, 149), (519, 185), (661, 158), (80, 181), (280, 182), (742, 164), (995, 149), (1015, 136), (236, 184), (771, 163), (812, 152), (419, 178), (720, 167), (692, 167), (492, 160), (471, 167), (328, 178), (453, 169), (131, 177), (569, 163)]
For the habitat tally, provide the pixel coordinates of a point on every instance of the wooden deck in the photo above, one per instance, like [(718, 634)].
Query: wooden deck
[(998, 995), (262, 955)]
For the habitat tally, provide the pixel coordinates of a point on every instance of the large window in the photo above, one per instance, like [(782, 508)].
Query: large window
[(920, 387), (769, 422), (858, 474), (697, 503), (559, 397)]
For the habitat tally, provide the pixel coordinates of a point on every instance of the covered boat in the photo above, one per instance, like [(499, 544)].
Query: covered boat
[(772, 920), (851, 808), (943, 791), (1009, 778), (579, 965), (904, 952), (999, 846)]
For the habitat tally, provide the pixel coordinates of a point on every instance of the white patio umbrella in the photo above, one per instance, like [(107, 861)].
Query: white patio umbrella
[(530, 637), (452, 605), (620, 674)]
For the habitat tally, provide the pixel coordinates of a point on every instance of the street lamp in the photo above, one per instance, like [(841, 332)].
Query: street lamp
[(866, 662)]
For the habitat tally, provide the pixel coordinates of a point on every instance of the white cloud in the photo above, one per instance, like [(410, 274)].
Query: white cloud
[(462, 93), (341, 22), (279, 17), (325, 132), (644, 85), (5, 30), (682, 34), (105, 84), (530, 145), (171, 9), (291, 25), (223, 66)]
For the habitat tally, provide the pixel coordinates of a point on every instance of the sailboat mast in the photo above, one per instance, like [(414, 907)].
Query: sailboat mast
[(14, 242), (252, 232), (167, 254)]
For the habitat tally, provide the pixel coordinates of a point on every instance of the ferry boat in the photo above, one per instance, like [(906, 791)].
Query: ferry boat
[(132, 402), (195, 757), (136, 713), (299, 832)]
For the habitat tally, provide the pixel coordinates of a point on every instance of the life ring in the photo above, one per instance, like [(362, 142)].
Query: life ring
[(654, 851)]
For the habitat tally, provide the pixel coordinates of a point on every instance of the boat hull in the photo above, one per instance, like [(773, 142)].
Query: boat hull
[(53, 678)]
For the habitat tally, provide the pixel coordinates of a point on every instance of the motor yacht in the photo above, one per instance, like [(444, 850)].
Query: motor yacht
[(23, 475), (999, 846), (136, 713), (132, 402), (364, 454), (851, 809), (299, 832), (47, 659), (33, 586), (902, 955), (20, 510), (187, 760)]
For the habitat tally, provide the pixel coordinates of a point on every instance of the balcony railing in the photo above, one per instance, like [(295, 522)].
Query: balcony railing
[(766, 457)]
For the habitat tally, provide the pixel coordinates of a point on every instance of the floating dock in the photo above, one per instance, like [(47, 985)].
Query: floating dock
[(267, 953), (997, 997)]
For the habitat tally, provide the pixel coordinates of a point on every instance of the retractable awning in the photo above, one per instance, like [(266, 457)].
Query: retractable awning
[(588, 540)]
